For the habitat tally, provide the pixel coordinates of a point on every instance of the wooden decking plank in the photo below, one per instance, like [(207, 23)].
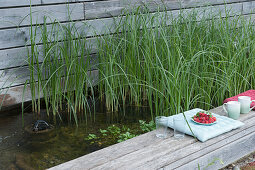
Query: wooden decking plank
[(156, 157), (220, 140), (149, 152), (198, 149), (135, 163), (228, 154), (137, 158), (110, 153)]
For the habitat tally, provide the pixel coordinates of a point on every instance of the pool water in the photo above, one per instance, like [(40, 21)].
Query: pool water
[(20, 149)]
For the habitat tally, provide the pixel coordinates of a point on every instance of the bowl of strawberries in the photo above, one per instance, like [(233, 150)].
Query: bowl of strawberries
[(204, 118)]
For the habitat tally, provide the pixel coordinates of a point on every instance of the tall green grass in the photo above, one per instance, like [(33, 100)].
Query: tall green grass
[(59, 64), (168, 63), (176, 63)]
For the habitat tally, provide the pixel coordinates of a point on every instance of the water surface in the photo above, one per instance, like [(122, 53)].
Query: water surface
[(22, 150)]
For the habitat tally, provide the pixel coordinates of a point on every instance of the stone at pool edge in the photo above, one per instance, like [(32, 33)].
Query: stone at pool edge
[(249, 166), (21, 162), (236, 168), (13, 167)]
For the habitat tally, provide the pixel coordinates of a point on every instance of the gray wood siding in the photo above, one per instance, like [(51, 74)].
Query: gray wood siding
[(99, 15)]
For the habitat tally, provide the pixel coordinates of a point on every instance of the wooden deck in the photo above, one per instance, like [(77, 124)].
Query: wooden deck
[(148, 152)]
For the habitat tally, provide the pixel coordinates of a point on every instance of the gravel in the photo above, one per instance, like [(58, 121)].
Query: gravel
[(245, 163)]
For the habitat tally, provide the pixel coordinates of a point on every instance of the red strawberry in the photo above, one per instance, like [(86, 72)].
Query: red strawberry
[(204, 117)]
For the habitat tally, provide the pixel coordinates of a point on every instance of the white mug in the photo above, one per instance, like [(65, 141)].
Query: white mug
[(245, 103), (233, 109)]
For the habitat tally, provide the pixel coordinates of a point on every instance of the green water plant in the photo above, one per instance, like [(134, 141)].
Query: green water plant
[(173, 63), (116, 133), (91, 137), (125, 136), (60, 69), (103, 132), (169, 62), (114, 130), (147, 127)]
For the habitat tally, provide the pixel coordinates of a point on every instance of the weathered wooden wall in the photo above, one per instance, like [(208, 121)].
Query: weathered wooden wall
[(15, 24)]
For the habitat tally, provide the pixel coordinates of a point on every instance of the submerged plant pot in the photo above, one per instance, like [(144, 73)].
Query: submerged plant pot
[(40, 126)]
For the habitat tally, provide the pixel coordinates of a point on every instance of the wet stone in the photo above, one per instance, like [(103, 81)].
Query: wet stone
[(21, 161), (245, 163), (236, 168), (13, 167)]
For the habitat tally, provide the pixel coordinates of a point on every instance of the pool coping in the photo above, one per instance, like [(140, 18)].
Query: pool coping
[(148, 152)]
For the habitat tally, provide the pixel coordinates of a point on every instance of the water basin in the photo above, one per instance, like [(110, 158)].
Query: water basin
[(22, 150)]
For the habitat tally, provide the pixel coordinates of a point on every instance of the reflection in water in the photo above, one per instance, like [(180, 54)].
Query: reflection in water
[(22, 150)]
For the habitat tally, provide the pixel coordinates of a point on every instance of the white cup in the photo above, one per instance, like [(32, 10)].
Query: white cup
[(233, 109), (245, 103)]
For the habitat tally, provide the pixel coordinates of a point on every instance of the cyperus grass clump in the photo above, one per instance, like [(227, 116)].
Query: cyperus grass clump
[(170, 63), (176, 63)]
